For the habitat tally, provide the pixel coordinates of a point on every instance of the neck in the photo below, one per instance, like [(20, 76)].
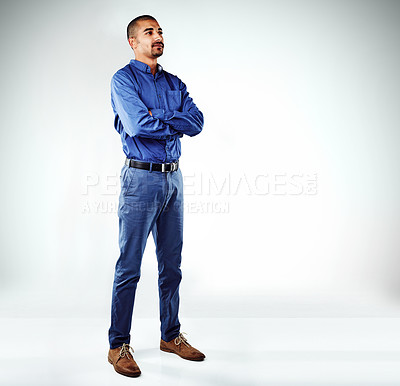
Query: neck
[(152, 63)]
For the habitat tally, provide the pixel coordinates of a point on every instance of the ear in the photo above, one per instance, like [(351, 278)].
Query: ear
[(132, 42)]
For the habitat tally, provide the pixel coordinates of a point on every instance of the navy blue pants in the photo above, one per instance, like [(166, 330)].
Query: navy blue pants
[(149, 201)]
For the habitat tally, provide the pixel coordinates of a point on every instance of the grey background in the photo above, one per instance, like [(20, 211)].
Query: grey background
[(287, 88)]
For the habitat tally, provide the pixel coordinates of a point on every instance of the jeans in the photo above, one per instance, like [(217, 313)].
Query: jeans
[(149, 201)]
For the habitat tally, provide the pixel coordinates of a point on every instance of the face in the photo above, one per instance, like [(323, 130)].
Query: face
[(149, 40)]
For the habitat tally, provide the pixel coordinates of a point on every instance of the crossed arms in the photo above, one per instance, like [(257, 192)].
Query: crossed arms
[(138, 120)]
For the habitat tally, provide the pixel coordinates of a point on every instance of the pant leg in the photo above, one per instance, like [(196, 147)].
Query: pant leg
[(140, 202), (168, 238)]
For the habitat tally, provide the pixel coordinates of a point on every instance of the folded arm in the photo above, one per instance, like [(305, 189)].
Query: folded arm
[(189, 121), (134, 114)]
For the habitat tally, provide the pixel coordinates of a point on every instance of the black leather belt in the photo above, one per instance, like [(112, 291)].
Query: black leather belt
[(170, 167)]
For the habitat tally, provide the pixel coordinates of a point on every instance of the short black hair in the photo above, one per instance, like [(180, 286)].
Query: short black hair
[(131, 29)]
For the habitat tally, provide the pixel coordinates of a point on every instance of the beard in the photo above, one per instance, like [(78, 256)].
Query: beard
[(157, 52)]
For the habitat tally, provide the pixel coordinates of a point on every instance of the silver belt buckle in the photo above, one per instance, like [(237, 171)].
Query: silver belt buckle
[(163, 168)]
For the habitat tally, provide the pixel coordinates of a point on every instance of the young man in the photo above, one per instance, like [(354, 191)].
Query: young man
[(152, 111)]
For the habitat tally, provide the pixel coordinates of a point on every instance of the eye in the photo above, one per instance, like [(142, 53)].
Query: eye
[(160, 32)]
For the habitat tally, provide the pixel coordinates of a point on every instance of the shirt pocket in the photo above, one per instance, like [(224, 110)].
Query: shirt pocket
[(173, 100)]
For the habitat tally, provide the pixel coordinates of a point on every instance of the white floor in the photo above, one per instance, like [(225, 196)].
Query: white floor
[(274, 351)]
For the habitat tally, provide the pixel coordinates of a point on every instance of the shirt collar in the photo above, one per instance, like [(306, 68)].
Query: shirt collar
[(143, 66)]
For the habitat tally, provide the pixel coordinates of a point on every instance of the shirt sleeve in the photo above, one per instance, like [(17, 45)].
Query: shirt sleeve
[(189, 121), (133, 113)]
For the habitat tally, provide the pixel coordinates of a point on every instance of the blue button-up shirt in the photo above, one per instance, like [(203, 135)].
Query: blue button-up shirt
[(156, 138)]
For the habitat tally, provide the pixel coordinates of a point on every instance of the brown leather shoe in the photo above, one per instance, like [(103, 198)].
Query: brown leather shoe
[(123, 361), (181, 347)]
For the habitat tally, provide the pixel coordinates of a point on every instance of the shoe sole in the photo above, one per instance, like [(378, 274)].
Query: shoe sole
[(189, 359), (122, 373)]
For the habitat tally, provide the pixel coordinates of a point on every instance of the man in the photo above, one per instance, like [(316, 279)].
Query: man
[(152, 111)]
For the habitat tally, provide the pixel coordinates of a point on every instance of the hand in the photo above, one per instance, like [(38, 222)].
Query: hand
[(150, 113)]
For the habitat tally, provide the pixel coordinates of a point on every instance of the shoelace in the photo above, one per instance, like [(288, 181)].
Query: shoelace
[(125, 351), (181, 339)]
